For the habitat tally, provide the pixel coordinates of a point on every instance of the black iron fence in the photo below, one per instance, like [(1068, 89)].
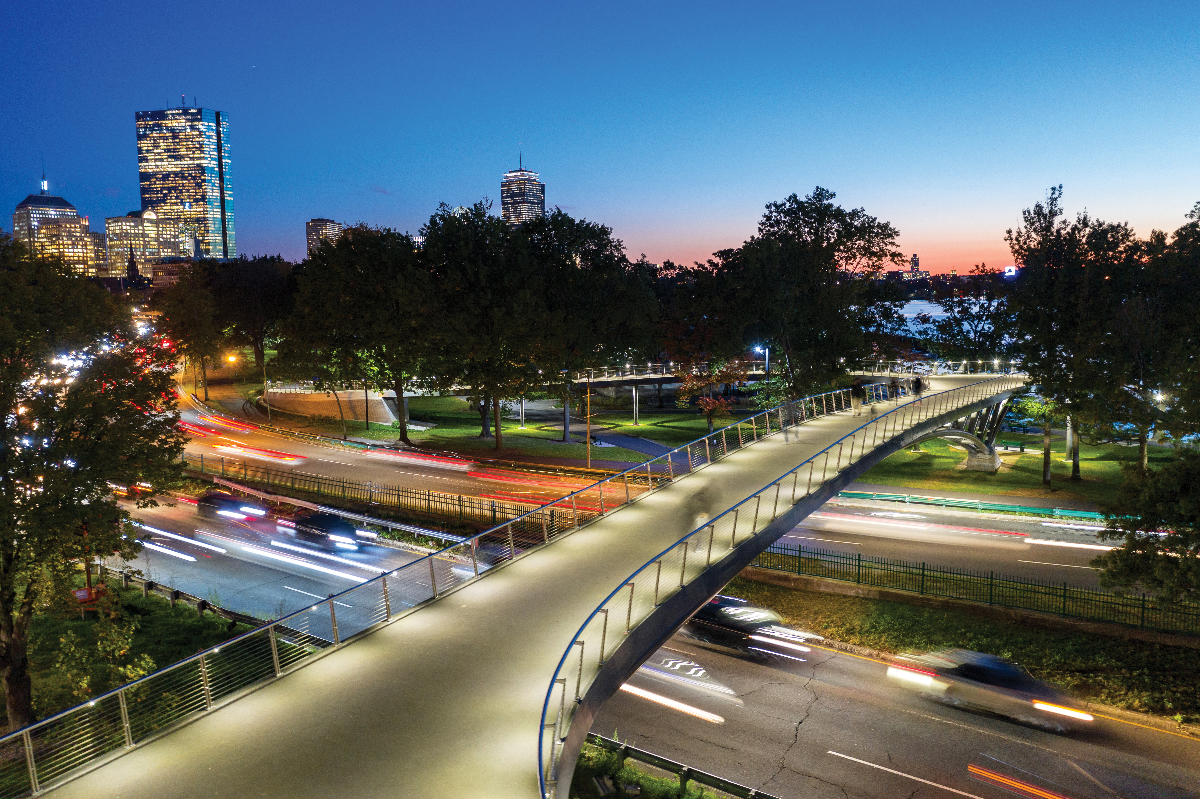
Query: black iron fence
[(985, 587)]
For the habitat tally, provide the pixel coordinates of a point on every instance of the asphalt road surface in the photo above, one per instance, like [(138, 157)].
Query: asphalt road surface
[(831, 725)]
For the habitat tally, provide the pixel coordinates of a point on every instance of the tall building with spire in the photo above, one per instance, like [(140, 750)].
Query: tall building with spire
[(183, 169), (50, 227), (522, 195)]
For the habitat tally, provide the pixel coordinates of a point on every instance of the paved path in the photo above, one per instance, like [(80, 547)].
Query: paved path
[(446, 701)]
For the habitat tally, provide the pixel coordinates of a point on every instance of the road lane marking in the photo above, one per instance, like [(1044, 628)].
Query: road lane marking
[(191, 541), (1068, 544), (316, 596), (1064, 565), (165, 551), (829, 540), (673, 704), (902, 774)]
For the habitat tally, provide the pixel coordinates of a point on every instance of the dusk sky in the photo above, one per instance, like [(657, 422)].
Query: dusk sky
[(672, 123)]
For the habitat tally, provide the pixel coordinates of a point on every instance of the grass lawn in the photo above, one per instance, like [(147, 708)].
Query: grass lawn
[(1153, 678), (671, 429), (164, 634), (937, 467)]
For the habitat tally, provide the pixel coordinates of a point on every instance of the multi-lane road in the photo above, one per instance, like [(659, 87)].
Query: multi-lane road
[(829, 724)]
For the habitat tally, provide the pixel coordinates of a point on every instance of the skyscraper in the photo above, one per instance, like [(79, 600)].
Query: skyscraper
[(522, 196), (320, 229), (50, 227), (183, 169), (142, 235)]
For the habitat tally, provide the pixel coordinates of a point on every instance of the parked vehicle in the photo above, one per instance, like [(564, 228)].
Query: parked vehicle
[(987, 683)]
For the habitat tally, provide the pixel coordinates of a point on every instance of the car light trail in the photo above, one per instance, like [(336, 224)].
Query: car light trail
[(922, 678), (230, 423), (435, 461), (1063, 565), (902, 774), (191, 541), (298, 562), (316, 596), (1068, 544), (776, 642), (1073, 526), (258, 454), (165, 551), (1063, 711), (334, 558), (659, 699), (994, 778)]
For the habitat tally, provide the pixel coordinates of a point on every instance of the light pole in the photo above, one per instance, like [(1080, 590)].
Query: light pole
[(266, 385), (765, 351), (587, 420)]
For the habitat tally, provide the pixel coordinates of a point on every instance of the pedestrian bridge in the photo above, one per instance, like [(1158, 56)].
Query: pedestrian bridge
[(476, 671)]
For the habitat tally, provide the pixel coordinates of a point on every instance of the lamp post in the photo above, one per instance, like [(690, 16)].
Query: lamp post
[(587, 420), (266, 399), (766, 352)]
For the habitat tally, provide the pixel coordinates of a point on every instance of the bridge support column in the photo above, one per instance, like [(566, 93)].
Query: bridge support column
[(982, 461)]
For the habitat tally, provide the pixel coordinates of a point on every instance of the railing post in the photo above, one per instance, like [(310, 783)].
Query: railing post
[(775, 510), (125, 718), (626, 478), (545, 529), (796, 480), (274, 650), (629, 611), (733, 535), (204, 684), (603, 634), (337, 639), (33, 780), (839, 462), (757, 505), (922, 587), (432, 577), (754, 428), (512, 547), (671, 466), (475, 558), (858, 568), (574, 519), (812, 465), (683, 565), (724, 443), (712, 532), (657, 577), (707, 450), (601, 486), (579, 674)]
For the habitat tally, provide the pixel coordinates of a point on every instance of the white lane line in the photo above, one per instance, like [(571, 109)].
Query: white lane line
[(1068, 544), (191, 541), (1064, 565), (902, 774), (315, 596), (339, 463), (659, 699), (1073, 526), (165, 551), (829, 540), (334, 558)]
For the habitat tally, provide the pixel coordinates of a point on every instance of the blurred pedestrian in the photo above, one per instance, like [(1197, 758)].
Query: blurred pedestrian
[(857, 395)]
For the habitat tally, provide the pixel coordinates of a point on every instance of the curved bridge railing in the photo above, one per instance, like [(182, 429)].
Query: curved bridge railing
[(666, 574)]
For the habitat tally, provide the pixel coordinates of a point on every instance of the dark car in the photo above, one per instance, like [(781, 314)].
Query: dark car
[(222, 504), (327, 530), (979, 681), (735, 623)]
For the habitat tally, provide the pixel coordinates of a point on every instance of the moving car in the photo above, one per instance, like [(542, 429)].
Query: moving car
[(750, 629), (327, 530), (216, 504), (987, 683)]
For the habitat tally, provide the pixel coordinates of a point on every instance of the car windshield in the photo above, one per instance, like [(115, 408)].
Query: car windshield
[(998, 673)]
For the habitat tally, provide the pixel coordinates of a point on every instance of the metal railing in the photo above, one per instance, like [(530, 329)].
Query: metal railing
[(978, 366), (661, 577), (47, 752), (438, 504), (985, 587)]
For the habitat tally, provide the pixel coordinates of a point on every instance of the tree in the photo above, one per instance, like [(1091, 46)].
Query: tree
[(975, 322), (1156, 516), (189, 315), (806, 285), (252, 296), (1044, 412), (83, 403), (699, 380)]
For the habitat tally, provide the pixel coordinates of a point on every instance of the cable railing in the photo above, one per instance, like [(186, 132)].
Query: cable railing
[(961, 366), (664, 575), (49, 751)]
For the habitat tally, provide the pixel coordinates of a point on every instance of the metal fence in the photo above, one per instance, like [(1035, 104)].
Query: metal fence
[(686, 774), (985, 587), (462, 507), (664, 575)]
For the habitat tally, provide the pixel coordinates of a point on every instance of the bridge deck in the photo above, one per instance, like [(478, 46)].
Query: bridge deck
[(445, 702)]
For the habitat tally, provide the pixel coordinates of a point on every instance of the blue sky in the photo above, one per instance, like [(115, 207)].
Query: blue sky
[(673, 123)]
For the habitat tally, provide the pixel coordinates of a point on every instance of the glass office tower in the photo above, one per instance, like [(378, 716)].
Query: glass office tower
[(183, 169), (522, 196)]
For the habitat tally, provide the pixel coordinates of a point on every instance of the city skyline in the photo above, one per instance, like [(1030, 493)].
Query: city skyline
[(675, 135)]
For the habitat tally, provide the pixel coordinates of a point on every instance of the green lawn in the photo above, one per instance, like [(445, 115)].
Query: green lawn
[(670, 429), (1153, 678), (937, 467)]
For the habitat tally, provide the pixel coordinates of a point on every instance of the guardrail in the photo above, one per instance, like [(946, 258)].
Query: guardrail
[(977, 366), (685, 773), (665, 574), (984, 587), (47, 752), (438, 504), (973, 504)]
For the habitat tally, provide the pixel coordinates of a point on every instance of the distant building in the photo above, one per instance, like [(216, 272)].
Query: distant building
[(522, 196), (183, 170), (97, 254), (916, 263), (914, 270), (319, 230), (144, 236), (50, 227)]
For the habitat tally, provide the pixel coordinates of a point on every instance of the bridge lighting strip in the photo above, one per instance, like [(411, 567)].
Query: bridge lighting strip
[(659, 699)]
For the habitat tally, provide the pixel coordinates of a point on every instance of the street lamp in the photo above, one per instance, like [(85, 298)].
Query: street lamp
[(765, 351)]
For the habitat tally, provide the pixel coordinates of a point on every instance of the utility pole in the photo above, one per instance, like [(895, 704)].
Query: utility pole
[(266, 386), (587, 419)]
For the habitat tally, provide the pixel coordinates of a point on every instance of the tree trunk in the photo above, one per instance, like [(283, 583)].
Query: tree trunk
[(660, 396), (566, 399), (1075, 475), (401, 410), (204, 376), (496, 420), (341, 412), (483, 409), (1143, 449), (260, 353), (708, 418), (1046, 453), (18, 690)]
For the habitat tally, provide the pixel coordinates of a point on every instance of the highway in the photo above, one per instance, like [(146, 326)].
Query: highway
[(831, 725), (1054, 551)]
